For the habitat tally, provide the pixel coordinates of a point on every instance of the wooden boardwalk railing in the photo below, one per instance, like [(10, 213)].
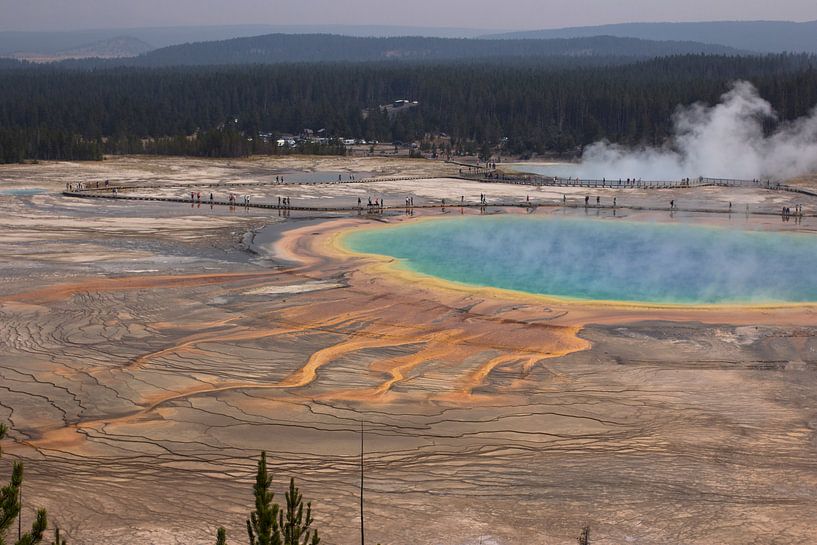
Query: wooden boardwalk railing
[(374, 210)]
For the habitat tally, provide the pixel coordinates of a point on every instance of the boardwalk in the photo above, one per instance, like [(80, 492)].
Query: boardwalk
[(555, 181), (374, 210)]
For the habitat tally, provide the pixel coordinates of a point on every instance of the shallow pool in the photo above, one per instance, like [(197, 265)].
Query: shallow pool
[(22, 192), (604, 259)]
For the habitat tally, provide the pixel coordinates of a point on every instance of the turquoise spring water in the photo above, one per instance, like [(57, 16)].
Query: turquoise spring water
[(604, 259), (22, 192)]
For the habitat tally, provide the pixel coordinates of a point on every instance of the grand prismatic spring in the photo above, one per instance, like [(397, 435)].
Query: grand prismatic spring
[(644, 262), (521, 371)]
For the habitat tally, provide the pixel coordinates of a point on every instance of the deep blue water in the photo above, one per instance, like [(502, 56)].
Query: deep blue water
[(604, 259)]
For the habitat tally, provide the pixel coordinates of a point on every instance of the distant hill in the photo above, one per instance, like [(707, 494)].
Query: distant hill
[(278, 48), (113, 48), (757, 36), (49, 43)]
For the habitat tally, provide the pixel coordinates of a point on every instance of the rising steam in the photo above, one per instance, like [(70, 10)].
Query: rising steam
[(722, 141)]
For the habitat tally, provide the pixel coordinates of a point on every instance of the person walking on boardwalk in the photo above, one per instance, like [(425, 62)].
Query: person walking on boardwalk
[(586, 200)]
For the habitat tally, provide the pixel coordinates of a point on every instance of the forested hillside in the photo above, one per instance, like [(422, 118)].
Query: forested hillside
[(54, 113), (277, 48), (761, 36)]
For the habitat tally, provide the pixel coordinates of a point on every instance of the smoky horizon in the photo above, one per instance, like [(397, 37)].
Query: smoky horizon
[(56, 15)]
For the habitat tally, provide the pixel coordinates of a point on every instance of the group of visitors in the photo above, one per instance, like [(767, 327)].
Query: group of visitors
[(378, 204), (798, 210), (78, 186), (233, 199), (587, 200)]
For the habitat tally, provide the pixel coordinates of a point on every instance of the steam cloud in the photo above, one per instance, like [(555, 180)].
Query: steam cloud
[(721, 141)]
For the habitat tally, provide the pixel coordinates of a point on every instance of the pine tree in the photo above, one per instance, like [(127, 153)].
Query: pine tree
[(263, 524), (297, 527), (268, 523), (10, 506)]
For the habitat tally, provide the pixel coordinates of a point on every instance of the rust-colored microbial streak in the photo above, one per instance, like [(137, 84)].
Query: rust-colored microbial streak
[(59, 292)]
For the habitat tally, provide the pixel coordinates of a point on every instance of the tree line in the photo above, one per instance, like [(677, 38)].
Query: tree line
[(230, 111)]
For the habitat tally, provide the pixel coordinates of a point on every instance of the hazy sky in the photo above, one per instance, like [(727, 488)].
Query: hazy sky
[(494, 14)]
